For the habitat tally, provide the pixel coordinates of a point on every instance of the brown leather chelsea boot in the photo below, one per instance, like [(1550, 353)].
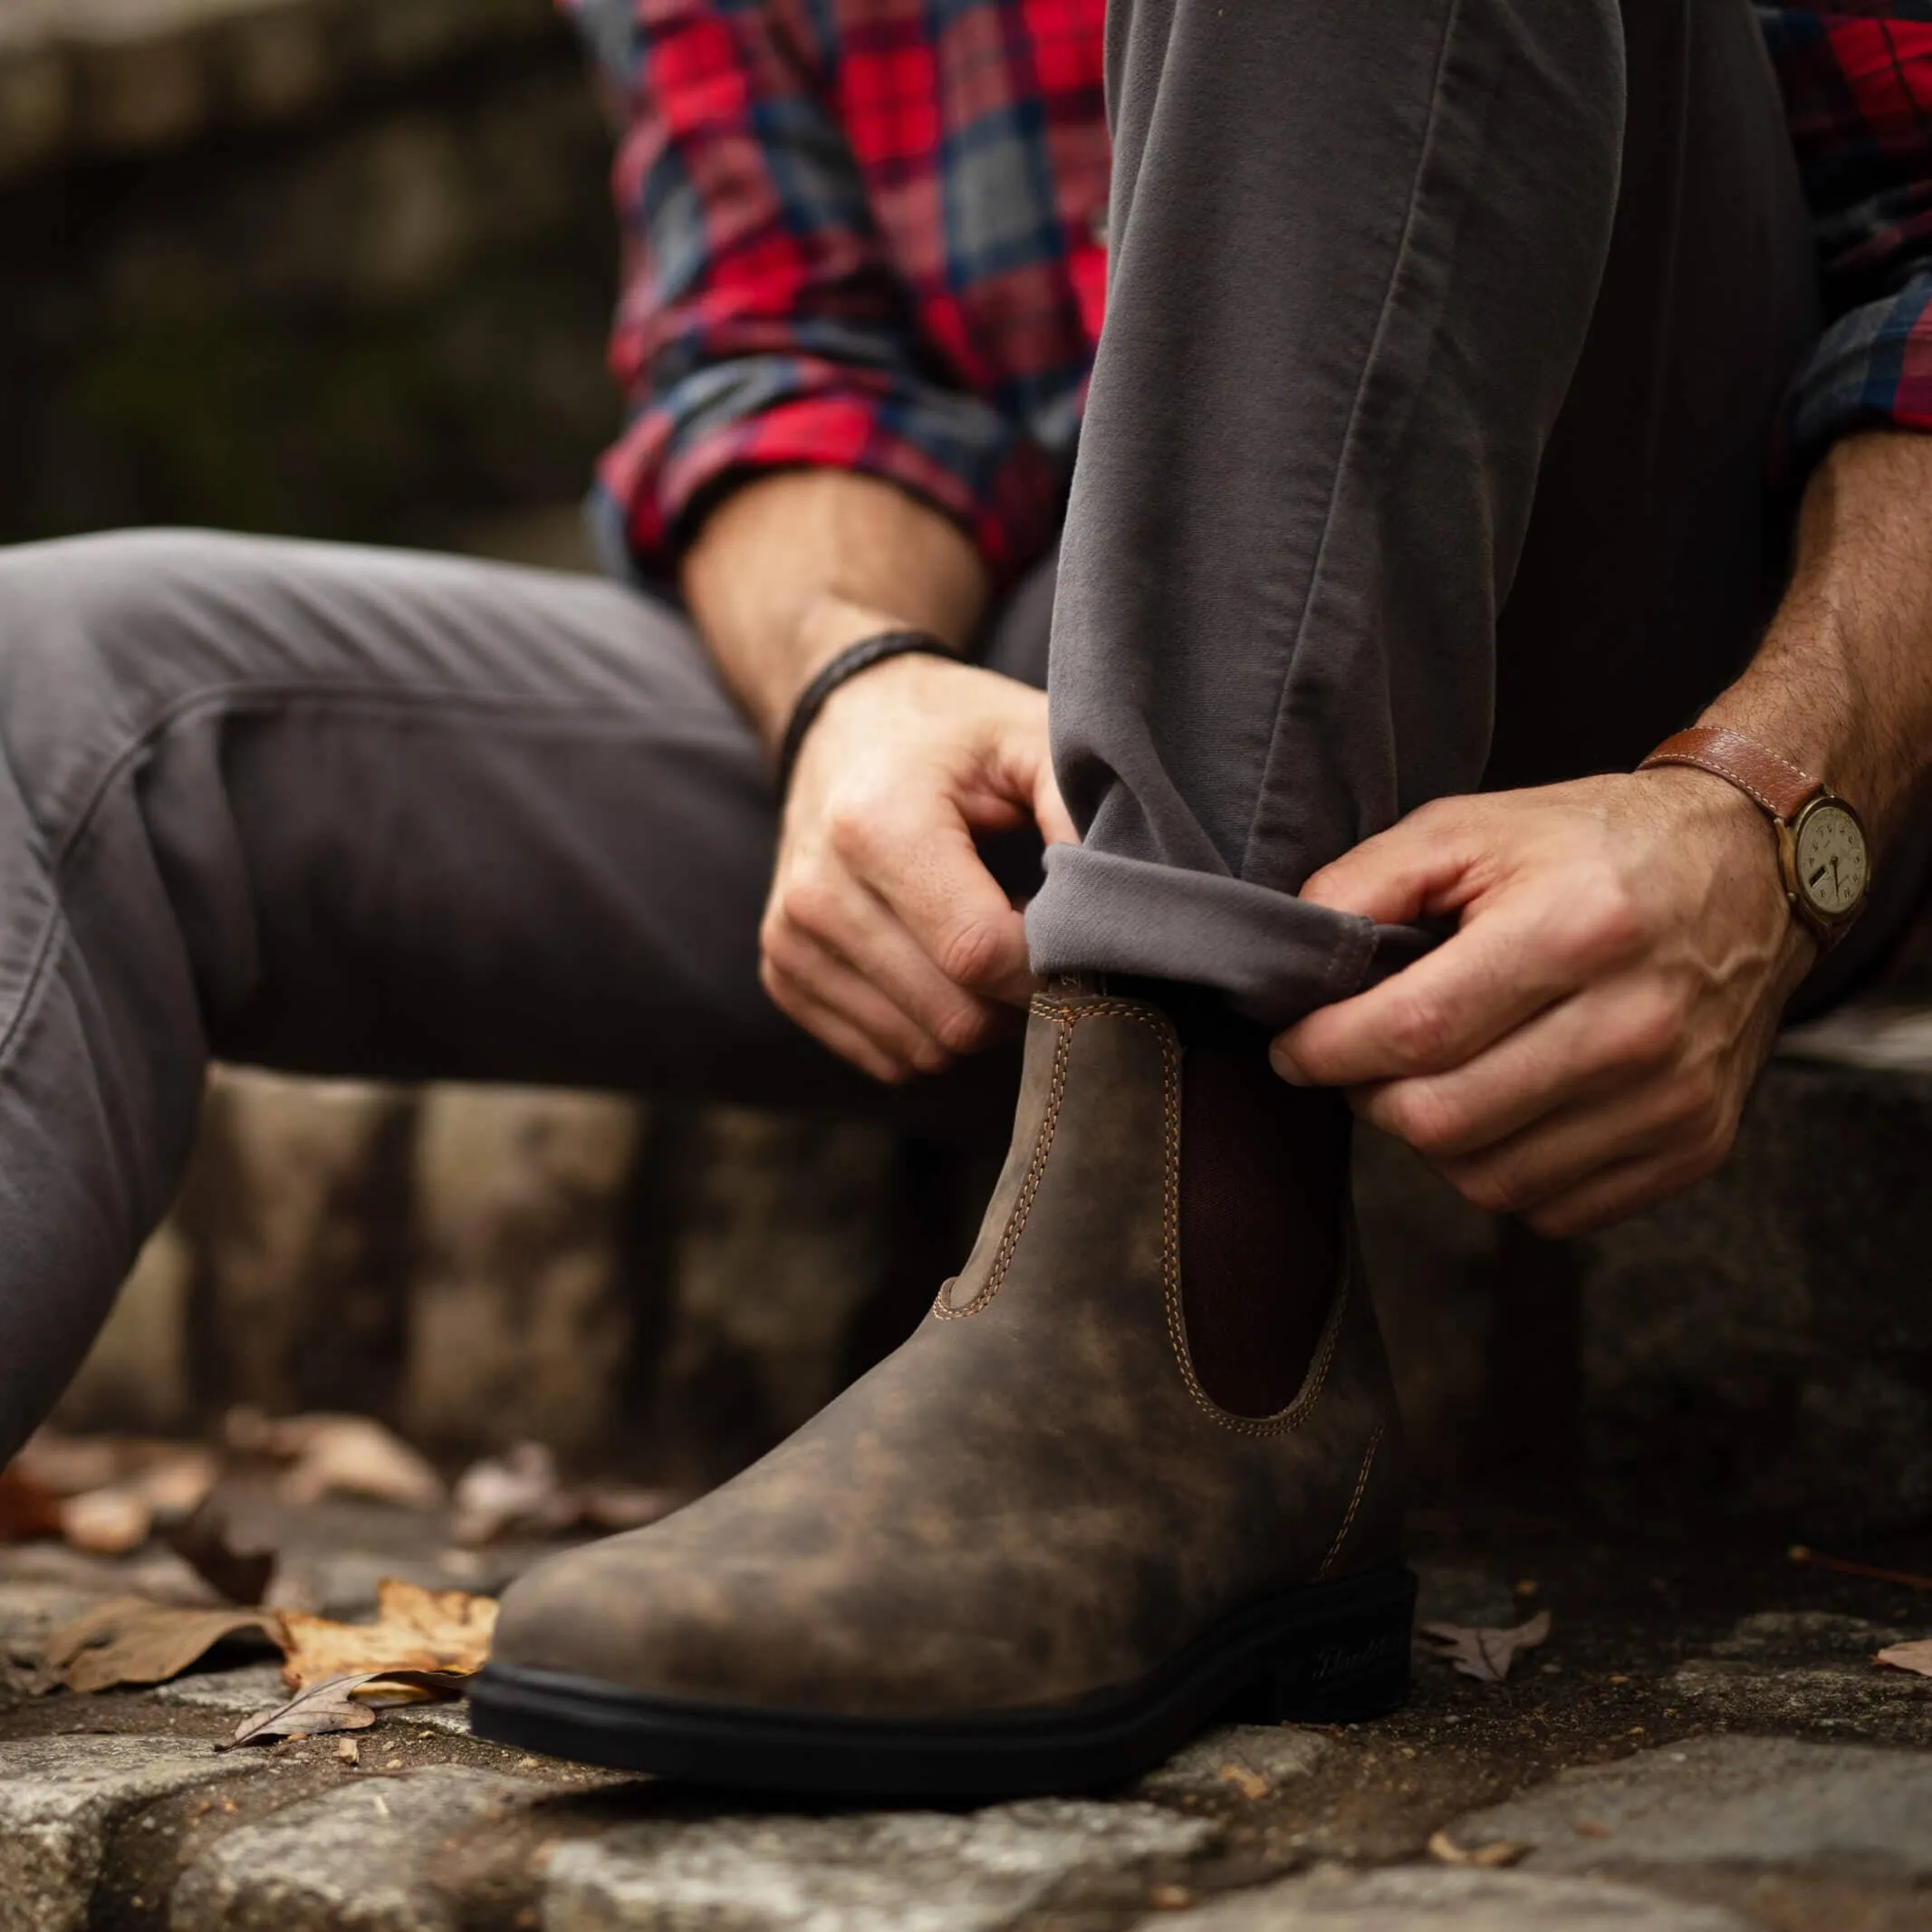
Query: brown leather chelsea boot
[(1140, 1468)]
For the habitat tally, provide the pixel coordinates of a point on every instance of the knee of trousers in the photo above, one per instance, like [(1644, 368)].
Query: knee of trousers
[(118, 922), (101, 640)]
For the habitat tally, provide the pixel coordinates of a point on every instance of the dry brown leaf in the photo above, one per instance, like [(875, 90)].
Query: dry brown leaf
[(346, 1703), (1916, 1656), (1486, 1654), (173, 1474), (106, 1521), (242, 1576), (68, 1464), (321, 1708), (29, 1510), (521, 1491), (170, 1482), (1250, 1784), (109, 1490), (332, 1455), (174, 1482), (132, 1640), (1498, 1851), (363, 1459), (415, 1629)]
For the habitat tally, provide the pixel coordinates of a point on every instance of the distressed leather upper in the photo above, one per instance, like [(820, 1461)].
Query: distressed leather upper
[(1033, 1499)]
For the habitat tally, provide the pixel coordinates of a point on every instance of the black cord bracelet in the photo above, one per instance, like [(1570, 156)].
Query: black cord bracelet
[(854, 658)]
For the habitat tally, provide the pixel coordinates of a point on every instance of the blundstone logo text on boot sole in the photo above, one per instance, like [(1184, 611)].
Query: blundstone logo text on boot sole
[(1348, 1660)]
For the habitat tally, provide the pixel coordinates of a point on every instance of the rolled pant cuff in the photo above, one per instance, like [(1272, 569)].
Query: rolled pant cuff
[(1275, 956)]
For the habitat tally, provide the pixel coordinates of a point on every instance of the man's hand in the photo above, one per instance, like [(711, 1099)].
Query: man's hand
[(1583, 1044), (884, 934)]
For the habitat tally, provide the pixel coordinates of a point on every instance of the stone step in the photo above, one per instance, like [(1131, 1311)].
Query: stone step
[(66, 1804), (910, 1871), (103, 1830), (384, 1854), (1335, 1899), (1762, 1344), (1736, 1802)]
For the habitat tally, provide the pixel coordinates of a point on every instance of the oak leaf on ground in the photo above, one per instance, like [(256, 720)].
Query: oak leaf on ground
[(1486, 1654), (346, 1702), (415, 1629), (132, 1640)]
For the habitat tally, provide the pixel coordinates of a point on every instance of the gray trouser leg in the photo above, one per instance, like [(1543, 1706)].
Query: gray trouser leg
[(1442, 345), (357, 812)]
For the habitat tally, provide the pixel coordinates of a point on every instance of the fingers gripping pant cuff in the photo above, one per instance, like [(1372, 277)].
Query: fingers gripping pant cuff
[(1274, 956)]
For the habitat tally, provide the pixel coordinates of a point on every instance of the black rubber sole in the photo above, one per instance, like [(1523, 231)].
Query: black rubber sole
[(1328, 1653)]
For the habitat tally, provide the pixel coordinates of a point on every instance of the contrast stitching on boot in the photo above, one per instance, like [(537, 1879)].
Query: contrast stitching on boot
[(1348, 1521), (1297, 1413), (1029, 1186), (1101, 1009), (1065, 1018), (1282, 1420)]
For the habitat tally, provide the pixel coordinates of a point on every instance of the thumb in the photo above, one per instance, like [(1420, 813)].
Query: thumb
[(1419, 866), (1023, 755)]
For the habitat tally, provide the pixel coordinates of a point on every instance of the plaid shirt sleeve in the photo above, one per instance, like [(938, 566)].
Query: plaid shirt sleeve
[(1857, 78), (760, 325)]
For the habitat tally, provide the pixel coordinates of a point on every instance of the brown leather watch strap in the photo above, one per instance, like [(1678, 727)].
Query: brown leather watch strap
[(1776, 783)]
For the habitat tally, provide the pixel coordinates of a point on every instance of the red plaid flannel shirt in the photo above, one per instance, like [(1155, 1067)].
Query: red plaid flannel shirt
[(868, 234)]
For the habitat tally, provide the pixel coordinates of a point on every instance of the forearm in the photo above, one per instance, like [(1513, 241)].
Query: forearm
[(792, 568), (1842, 683)]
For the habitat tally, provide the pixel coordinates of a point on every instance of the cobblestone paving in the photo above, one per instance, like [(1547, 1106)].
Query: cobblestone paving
[(1703, 1745)]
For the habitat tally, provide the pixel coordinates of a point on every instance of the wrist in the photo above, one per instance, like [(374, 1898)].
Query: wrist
[(1823, 859), (1803, 734), (1713, 817), (863, 661), (828, 625), (1733, 849)]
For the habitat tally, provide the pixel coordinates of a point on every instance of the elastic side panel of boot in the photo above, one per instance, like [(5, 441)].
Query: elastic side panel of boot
[(1263, 1166)]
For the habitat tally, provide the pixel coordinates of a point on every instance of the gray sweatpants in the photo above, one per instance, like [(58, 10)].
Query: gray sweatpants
[(1445, 338)]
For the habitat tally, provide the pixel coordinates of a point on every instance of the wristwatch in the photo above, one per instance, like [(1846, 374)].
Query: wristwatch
[(1822, 850)]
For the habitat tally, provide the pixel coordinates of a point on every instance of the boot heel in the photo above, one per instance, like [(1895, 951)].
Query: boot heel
[(1351, 1665)]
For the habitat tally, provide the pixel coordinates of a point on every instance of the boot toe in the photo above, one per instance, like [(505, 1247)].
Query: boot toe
[(641, 1616), (603, 1614)]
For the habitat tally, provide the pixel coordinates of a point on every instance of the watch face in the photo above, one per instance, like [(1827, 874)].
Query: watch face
[(1830, 861)]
